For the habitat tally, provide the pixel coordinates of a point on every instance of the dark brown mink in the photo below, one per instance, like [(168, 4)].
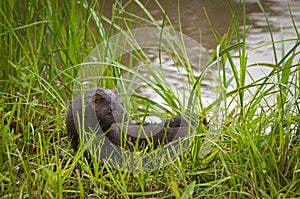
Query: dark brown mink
[(104, 109)]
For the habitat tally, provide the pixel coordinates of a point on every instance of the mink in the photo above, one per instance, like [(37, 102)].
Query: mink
[(104, 112)]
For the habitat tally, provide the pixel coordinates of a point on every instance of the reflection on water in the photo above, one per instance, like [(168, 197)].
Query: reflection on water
[(189, 16)]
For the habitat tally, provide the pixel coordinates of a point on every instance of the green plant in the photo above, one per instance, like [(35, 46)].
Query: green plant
[(254, 152)]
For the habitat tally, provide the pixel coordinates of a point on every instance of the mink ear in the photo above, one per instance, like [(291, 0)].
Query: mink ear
[(98, 98)]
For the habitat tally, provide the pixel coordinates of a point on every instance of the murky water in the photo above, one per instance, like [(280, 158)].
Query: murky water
[(189, 16)]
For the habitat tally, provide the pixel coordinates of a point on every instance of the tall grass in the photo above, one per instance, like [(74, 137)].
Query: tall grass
[(43, 44)]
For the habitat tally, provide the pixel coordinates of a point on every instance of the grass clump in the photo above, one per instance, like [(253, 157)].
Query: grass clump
[(255, 150)]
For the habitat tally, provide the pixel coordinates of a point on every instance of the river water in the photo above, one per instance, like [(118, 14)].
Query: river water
[(189, 17)]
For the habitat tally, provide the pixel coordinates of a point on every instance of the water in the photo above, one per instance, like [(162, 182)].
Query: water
[(189, 16)]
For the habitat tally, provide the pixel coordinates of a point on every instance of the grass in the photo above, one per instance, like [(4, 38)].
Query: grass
[(43, 43)]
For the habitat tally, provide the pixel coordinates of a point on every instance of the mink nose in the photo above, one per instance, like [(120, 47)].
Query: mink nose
[(119, 113), (119, 116)]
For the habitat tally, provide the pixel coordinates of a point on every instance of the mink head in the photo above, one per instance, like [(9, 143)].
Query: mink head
[(102, 108)]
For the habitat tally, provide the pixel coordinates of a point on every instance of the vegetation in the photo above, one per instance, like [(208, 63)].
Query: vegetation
[(43, 43)]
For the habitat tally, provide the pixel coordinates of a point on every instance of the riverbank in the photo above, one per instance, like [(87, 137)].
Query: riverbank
[(251, 150)]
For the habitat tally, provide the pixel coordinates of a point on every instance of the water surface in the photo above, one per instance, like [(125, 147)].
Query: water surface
[(189, 17)]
